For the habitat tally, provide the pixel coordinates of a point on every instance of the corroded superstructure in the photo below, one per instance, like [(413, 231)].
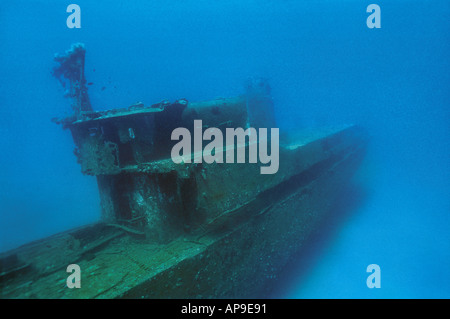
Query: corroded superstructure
[(189, 229)]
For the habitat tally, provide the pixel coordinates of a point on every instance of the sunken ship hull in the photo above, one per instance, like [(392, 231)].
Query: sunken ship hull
[(186, 229)]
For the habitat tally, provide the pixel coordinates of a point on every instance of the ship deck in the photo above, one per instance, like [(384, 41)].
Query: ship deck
[(239, 254)]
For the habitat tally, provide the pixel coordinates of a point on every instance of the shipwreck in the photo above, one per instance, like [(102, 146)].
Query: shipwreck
[(187, 229)]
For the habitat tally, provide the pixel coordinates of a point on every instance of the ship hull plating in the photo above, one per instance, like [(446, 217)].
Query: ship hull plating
[(234, 253)]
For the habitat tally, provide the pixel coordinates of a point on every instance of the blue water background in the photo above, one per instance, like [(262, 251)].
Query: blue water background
[(325, 67)]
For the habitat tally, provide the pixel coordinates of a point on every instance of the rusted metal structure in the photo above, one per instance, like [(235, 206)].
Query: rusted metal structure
[(189, 230)]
